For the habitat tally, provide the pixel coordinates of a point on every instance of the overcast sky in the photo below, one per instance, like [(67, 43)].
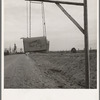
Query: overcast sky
[(61, 32)]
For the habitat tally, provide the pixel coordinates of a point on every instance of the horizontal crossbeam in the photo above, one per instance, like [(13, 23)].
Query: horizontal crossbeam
[(62, 2), (70, 17), (36, 2)]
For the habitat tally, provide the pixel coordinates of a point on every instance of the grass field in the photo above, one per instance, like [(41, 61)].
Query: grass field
[(66, 69)]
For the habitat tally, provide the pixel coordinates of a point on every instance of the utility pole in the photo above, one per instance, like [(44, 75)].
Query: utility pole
[(87, 67)]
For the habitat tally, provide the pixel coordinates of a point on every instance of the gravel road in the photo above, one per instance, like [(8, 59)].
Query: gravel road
[(20, 71)]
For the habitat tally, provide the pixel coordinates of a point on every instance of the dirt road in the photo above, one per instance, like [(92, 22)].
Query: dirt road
[(21, 72)]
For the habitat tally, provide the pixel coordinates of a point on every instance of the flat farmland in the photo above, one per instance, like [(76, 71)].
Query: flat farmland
[(49, 70)]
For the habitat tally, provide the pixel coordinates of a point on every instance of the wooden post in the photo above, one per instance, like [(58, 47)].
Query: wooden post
[(87, 68)]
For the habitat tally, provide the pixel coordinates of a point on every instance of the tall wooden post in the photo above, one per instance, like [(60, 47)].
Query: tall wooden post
[(87, 68)]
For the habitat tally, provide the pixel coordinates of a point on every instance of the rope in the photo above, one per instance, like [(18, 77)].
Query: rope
[(30, 20), (27, 17), (43, 19), (28, 11)]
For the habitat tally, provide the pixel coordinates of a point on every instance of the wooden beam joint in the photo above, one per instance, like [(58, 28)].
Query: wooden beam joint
[(70, 17)]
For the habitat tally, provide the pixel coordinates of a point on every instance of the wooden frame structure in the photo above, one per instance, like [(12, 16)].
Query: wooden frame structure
[(83, 30)]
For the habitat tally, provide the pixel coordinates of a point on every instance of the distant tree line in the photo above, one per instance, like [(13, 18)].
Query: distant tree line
[(12, 50)]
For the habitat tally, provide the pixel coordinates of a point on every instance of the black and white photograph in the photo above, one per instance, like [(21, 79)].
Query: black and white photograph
[(50, 44)]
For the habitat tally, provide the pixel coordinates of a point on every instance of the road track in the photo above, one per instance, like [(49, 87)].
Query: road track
[(21, 72)]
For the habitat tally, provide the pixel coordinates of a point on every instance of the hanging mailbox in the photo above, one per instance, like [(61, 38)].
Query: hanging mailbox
[(35, 44)]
